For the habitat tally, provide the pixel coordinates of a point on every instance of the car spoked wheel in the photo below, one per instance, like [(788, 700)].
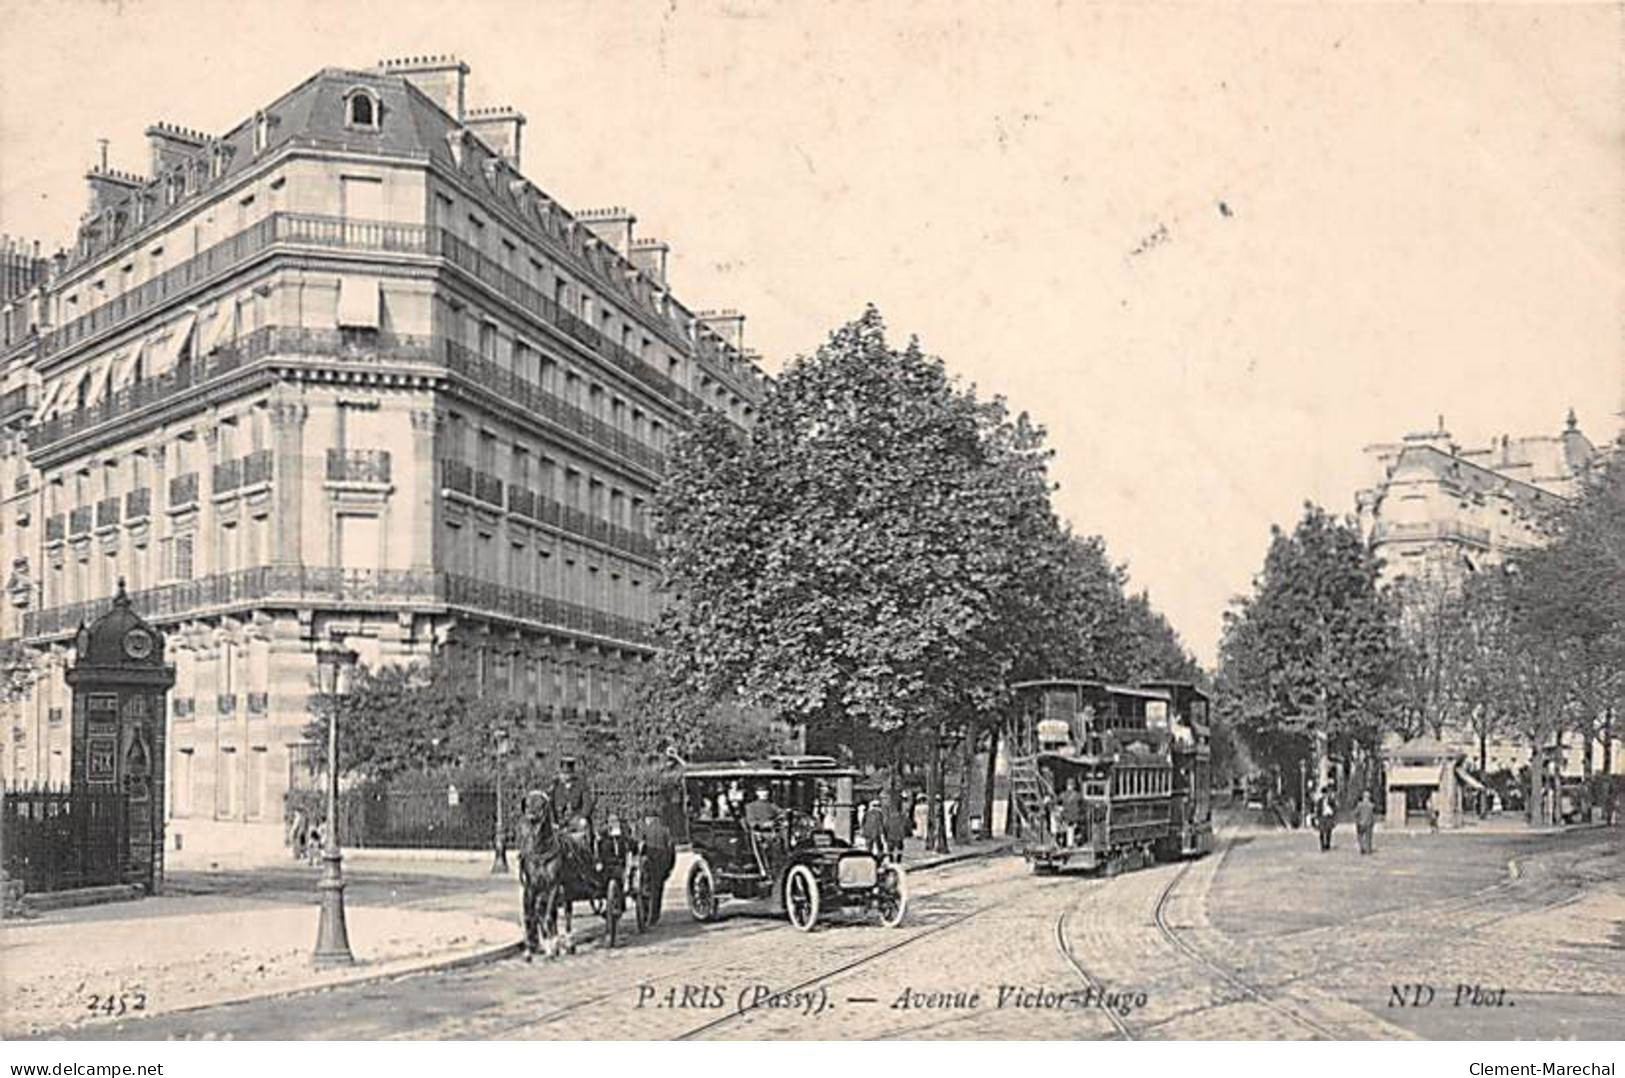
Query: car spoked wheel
[(801, 897), (891, 895), (702, 896)]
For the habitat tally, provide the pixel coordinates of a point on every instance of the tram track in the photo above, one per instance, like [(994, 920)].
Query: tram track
[(1222, 972), (700, 971), (1095, 983)]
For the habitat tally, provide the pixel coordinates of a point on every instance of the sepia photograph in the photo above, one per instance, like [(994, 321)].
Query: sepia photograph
[(831, 520)]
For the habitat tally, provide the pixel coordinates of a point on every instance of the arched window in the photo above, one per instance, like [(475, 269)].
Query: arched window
[(361, 109)]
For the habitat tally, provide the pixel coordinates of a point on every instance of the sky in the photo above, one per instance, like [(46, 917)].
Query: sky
[(1215, 250)]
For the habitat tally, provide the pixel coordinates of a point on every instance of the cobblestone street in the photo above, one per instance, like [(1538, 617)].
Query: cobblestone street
[(1267, 938)]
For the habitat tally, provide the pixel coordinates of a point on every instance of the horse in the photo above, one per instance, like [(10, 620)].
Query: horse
[(558, 869), (541, 873)]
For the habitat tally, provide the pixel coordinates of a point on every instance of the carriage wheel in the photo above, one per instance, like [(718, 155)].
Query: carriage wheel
[(801, 897), (702, 895), (892, 896)]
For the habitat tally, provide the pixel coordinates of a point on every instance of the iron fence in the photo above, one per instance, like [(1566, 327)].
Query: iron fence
[(55, 840)]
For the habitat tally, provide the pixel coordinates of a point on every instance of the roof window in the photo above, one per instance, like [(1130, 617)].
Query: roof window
[(361, 109)]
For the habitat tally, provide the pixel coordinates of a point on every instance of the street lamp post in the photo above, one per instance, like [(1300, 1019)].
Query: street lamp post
[(332, 937), (499, 863)]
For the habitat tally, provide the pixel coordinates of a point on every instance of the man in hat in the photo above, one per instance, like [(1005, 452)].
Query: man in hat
[(659, 852), (1325, 817), (572, 801), (874, 829), (1365, 821), (762, 819)]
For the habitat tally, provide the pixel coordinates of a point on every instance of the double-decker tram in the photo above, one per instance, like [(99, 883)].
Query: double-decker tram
[(1110, 776)]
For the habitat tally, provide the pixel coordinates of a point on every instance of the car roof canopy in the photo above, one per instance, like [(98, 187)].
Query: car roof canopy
[(774, 767)]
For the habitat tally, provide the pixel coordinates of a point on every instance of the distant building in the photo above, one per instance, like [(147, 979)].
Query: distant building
[(344, 371), (21, 267), (1434, 507), (1436, 511)]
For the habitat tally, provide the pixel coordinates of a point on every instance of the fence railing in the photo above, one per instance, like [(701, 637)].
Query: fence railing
[(79, 519), (183, 490), (107, 511), (314, 584), (55, 840), (358, 465), (291, 228), (138, 503)]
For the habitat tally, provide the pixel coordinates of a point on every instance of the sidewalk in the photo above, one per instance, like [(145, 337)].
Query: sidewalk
[(219, 936)]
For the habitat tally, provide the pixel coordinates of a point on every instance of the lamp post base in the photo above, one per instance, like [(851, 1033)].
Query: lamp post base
[(499, 863), (332, 936)]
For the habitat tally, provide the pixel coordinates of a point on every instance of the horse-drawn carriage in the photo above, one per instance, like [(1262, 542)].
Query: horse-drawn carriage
[(783, 832), (564, 861)]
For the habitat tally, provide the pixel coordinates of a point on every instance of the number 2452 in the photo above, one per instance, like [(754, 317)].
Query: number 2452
[(112, 1006)]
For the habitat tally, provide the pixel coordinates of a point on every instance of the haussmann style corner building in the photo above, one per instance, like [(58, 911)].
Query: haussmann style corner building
[(342, 370)]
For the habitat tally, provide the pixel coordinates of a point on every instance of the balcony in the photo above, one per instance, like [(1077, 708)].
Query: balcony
[(1430, 530), (390, 588), (259, 703), (55, 528), (15, 402), (279, 228), (257, 468), (138, 504), (189, 374), (20, 484), (488, 489), (457, 476), (79, 520), (358, 466), (107, 512), (183, 490), (185, 707), (521, 502), (228, 476), (535, 399), (488, 271), (225, 703)]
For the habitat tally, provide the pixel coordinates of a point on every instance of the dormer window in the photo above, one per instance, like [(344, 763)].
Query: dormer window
[(361, 109), (262, 131)]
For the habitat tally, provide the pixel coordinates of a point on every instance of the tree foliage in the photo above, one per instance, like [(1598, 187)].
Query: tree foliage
[(1313, 648), (879, 549), (429, 716)]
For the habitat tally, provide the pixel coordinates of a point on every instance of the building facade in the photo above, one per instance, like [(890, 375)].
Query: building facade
[(1435, 511), (344, 371)]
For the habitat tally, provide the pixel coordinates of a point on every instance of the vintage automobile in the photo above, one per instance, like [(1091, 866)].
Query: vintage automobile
[(795, 848)]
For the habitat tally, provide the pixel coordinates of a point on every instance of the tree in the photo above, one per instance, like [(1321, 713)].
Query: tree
[(1307, 662), (420, 717), (876, 552), (1430, 660)]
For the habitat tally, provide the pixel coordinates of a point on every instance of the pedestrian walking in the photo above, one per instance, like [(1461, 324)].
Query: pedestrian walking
[(874, 829), (660, 854), (1365, 822), (895, 827), (1325, 818)]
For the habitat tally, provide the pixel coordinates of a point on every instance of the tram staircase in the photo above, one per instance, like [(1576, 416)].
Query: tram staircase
[(1029, 789)]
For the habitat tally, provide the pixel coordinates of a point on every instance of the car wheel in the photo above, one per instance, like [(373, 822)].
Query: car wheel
[(701, 891), (801, 897), (892, 895)]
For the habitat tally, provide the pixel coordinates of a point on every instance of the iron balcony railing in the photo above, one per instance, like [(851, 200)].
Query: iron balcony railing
[(1399, 531), (55, 528), (488, 489), (386, 347), (228, 476), (341, 586), (16, 400), (358, 465), (193, 372), (532, 397), (279, 228), (257, 468), (183, 490), (138, 503), (79, 520), (488, 271), (455, 475), (107, 512), (545, 510)]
